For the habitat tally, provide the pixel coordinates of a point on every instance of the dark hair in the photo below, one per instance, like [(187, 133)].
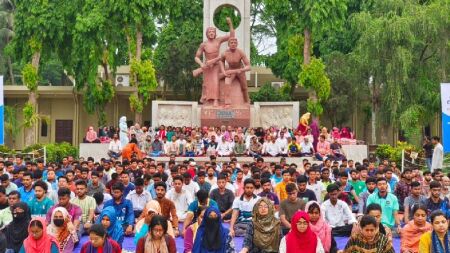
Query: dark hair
[(332, 187), (373, 207), (95, 173), (302, 179), (4, 177), (202, 195), (291, 187), (99, 197), (17, 193), (371, 180), (368, 220), (63, 192), (436, 213), (139, 182), (265, 180), (343, 174), (161, 184), (36, 223), (2, 189), (426, 172), (419, 206), (436, 138), (98, 230), (435, 184), (415, 184), (201, 174), (158, 220), (63, 177), (249, 181), (81, 182), (381, 179), (118, 186), (37, 174), (312, 207), (41, 184), (27, 174), (186, 175)]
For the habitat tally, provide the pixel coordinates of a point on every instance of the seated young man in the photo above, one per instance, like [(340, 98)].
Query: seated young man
[(242, 209), (180, 197), (337, 213), (123, 207), (223, 196)]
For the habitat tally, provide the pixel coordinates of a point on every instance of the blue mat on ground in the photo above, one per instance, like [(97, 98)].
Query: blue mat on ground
[(128, 243)]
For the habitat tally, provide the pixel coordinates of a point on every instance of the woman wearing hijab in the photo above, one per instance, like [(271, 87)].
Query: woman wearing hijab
[(38, 241), (17, 231), (157, 240), (369, 239), (211, 236), (108, 219), (62, 229), (99, 242), (151, 208), (318, 225), (411, 233), (91, 136), (263, 233), (191, 231), (301, 239), (436, 241)]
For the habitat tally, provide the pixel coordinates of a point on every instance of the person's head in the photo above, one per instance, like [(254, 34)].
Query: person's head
[(427, 176), (139, 185), (301, 183), (266, 184), (81, 188), (97, 235), (157, 227), (63, 196), (416, 189), (375, 211), (187, 178), (4, 179), (117, 190), (108, 217), (382, 185), (439, 222), (222, 181), (40, 189), (435, 140), (333, 192), (363, 171), (291, 190), (313, 209), (201, 177), (343, 177), (263, 208), (300, 222), (37, 228), (202, 196), (407, 174), (419, 214), (160, 189), (27, 179), (125, 178), (369, 227), (249, 187), (435, 189), (178, 183), (13, 198), (286, 176)]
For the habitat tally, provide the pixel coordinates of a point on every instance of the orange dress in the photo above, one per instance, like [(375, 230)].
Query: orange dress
[(129, 149)]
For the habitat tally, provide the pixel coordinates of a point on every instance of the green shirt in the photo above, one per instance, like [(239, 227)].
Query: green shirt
[(40, 208), (389, 205), (358, 185), (86, 204), (5, 217)]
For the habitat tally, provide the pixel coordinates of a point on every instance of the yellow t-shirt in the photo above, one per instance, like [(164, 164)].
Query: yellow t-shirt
[(425, 243), (280, 190)]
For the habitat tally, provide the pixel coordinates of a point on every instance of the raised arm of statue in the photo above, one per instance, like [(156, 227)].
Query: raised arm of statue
[(232, 33)]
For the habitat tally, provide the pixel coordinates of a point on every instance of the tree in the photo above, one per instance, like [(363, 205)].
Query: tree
[(7, 8), (267, 93)]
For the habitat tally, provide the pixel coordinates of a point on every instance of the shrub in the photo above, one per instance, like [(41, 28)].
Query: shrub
[(55, 151)]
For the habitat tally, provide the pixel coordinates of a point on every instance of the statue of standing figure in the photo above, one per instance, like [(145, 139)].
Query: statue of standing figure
[(231, 65)]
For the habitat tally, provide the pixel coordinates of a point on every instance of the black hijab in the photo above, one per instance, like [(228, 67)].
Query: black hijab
[(17, 231), (213, 237)]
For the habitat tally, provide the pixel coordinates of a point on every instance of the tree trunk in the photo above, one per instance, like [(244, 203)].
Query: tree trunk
[(307, 47), (137, 114), (373, 122), (138, 43), (11, 73), (30, 132)]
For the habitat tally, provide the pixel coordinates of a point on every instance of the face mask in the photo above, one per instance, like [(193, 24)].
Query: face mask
[(19, 216), (58, 222)]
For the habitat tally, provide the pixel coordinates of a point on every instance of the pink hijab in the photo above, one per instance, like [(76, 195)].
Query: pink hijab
[(321, 228), (335, 133), (43, 244)]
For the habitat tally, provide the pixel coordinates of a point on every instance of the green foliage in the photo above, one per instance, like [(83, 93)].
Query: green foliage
[(386, 151), (411, 122), (145, 78), (136, 104), (30, 77), (222, 13), (55, 151), (267, 93), (29, 115), (33, 147), (5, 150), (96, 97), (314, 107), (11, 124), (313, 76)]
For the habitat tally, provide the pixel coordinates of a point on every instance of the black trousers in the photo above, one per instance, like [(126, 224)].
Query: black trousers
[(343, 231)]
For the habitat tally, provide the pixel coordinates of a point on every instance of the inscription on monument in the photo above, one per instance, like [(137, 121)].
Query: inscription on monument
[(225, 114)]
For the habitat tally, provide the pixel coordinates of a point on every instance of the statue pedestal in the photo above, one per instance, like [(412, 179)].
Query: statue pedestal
[(222, 116)]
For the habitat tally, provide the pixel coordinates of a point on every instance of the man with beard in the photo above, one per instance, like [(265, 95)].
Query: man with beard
[(403, 187), (388, 203), (168, 209), (242, 209), (435, 202), (371, 185), (414, 199)]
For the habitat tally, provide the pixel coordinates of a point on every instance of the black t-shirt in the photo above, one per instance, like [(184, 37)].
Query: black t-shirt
[(224, 201), (307, 196), (428, 150)]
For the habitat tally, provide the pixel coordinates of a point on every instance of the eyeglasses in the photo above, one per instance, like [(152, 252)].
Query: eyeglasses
[(263, 207)]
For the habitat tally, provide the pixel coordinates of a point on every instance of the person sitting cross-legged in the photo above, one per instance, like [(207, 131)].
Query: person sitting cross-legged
[(337, 213)]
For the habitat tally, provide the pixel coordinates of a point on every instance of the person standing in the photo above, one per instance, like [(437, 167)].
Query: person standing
[(438, 154), (428, 148)]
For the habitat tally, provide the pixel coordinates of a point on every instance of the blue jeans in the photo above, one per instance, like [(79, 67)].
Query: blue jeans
[(190, 153), (428, 161), (156, 153)]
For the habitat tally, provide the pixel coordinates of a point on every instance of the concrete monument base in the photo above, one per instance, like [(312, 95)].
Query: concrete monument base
[(220, 116)]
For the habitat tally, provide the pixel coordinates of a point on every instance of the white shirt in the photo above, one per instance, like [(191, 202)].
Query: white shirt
[(224, 148), (271, 148), (212, 181), (282, 144), (181, 200), (191, 188), (438, 157), (306, 147), (139, 200), (338, 215), (115, 146), (318, 188)]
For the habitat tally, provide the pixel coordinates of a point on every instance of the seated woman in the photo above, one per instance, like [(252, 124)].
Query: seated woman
[(108, 219), (38, 241), (320, 227), (91, 136), (411, 233), (212, 236), (437, 240), (374, 210), (16, 231), (62, 228), (191, 232), (157, 240), (151, 209), (301, 238), (370, 239), (264, 232), (99, 242)]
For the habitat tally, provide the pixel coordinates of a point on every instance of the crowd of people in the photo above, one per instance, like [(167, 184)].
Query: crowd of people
[(275, 207), (222, 141)]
